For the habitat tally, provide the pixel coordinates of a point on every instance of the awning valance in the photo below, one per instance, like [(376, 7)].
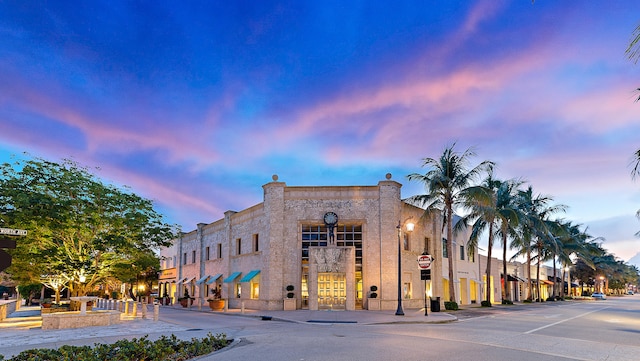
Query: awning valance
[(201, 281), (181, 281), (512, 278), (212, 279), (250, 276), (231, 278)]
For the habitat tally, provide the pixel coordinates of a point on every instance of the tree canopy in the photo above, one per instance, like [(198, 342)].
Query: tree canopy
[(77, 225)]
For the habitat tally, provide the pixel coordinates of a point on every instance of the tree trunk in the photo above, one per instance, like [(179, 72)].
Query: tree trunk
[(555, 278), (530, 284), (505, 288), (452, 289), (489, 247), (538, 275)]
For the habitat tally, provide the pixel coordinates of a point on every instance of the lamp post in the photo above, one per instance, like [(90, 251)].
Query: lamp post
[(399, 311)]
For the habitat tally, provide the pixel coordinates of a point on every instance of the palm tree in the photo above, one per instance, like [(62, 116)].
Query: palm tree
[(635, 172), (498, 215), (448, 185), (534, 229), (484, 216), (633, 50), (510, 216)]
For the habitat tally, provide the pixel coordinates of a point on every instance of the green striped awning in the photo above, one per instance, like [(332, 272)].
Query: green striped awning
[(250, 276)]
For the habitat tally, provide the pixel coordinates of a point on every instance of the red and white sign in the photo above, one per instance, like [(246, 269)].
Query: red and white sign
[(424, 261)]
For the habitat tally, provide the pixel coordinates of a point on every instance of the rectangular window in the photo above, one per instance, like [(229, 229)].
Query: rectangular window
[(444, 248), (406, 242), (193, 256), (256, 247), (184, 258), (407, 290), (175, 261), (472, 257), (239, 246), (462, 252), (238, 288), (207, 254), (219, 250), (255, 287)]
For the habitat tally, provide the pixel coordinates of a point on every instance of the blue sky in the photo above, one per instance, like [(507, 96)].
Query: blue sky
[(197, 105)]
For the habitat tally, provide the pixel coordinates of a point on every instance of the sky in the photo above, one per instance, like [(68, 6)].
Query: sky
[(196, 104)]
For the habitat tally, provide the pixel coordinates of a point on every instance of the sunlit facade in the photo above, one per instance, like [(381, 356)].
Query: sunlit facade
[(330, 247)]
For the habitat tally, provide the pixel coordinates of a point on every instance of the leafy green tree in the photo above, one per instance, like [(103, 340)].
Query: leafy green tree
[(449, 185), (77, 225)]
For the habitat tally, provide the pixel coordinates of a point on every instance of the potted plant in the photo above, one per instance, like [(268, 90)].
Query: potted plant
[(290, 301), (216, 303), (45, 303), (373, 303), (185, 300)]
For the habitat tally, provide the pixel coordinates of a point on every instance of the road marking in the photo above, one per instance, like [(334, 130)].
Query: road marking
[(568, 319)]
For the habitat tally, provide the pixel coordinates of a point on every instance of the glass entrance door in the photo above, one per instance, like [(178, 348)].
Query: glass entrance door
[(332, 293)]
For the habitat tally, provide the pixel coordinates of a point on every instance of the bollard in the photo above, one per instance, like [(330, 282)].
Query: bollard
[(135, 309), (126, 307), (156, 312), (242, 307), (144, 310)]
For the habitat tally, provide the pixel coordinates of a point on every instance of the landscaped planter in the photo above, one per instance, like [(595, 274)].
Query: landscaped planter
[(184, 302), (289, 304), (216, 305), (373, 304)]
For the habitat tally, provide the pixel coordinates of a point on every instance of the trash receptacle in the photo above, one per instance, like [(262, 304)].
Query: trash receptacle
[(435, 304)]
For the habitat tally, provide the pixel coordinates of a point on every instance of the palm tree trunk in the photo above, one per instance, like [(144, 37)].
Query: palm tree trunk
[(505, 288), (538, 273), (489, 247), (530, 285), (555, 278), (452, 289)]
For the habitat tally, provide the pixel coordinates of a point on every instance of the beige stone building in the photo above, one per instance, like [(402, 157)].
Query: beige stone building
[(329, 247)]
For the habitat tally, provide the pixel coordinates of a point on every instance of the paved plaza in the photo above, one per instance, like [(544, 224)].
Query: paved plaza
[(22, 329)]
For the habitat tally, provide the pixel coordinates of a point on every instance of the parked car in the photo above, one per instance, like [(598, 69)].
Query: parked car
[(630, 292), (598, 296)]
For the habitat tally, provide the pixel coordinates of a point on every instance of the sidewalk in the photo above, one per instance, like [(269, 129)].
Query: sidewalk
[(21, 330)]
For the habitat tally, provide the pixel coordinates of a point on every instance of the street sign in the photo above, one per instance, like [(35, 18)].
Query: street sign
[(7, 243), (13, 232), (425, 274), (5, 260), (424, 261)]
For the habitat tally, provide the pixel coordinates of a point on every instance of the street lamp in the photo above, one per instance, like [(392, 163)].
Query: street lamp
[(410, 226)]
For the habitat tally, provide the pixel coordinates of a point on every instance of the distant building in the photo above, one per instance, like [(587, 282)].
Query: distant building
[(335, 245)]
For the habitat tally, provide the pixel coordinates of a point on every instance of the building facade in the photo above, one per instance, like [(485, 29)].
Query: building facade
[(330, 247)]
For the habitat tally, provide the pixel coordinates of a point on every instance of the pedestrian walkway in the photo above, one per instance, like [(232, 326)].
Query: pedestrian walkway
[(22, 330)]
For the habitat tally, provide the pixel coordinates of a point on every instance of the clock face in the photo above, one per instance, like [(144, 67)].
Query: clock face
[(330, 218)]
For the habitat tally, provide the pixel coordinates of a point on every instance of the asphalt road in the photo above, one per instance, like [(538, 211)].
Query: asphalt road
[(590, 330)]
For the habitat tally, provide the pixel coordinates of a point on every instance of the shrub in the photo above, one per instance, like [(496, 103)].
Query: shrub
[(485, 304), (507, 302), (451, 305), (527, 301), (290, 288), (165, 348), (550, 299)]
